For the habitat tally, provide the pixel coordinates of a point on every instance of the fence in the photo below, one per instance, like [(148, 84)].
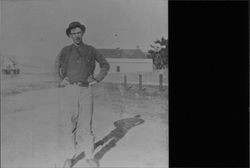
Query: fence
[(141, 79), (140, 82)]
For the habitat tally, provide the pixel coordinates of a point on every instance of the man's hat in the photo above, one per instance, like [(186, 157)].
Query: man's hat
[(73, 25)]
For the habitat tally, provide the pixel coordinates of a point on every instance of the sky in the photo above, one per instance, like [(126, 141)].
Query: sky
[(36, 28)]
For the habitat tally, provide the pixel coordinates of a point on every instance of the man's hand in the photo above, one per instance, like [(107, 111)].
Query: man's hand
[(64, 82), (92, 83)]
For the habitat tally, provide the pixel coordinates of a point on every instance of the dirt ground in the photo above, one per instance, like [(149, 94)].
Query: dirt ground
[(28, 115)]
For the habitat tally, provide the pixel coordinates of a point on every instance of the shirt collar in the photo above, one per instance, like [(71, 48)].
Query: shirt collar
[(79, 46)]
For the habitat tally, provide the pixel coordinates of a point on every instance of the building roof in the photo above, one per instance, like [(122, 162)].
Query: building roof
[(8, 61), (122, 53)]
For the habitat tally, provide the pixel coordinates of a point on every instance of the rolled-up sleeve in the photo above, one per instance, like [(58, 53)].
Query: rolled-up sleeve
[(104, 65)]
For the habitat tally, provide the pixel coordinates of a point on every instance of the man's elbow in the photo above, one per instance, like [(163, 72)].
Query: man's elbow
[(108, 67), (105, 67)]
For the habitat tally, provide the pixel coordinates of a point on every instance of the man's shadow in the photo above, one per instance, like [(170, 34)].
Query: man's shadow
[(122, 127)]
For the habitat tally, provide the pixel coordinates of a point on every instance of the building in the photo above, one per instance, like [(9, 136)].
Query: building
[(126, 60), (9, 66)]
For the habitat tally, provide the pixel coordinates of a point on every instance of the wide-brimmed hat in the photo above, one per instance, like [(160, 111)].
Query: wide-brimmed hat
[(73, 25)]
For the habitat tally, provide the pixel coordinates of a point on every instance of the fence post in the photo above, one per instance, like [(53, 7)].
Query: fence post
[(125, 81), (140, 81), (160, 82)]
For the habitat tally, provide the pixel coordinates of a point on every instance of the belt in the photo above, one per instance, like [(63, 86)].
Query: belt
[(81, 84)]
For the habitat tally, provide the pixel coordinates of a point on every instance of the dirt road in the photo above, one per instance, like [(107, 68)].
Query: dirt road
[(29, 127)]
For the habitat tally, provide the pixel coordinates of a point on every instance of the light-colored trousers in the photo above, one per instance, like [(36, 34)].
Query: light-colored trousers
[(75, 121)]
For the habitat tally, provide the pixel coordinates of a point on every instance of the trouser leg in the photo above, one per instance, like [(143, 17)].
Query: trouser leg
[(84, 136), (68, 109)]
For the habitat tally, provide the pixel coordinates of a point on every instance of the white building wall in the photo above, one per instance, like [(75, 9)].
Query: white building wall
[(128, 65)]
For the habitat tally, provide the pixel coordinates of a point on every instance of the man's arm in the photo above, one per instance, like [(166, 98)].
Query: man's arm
[(104, 66), (58, 68)]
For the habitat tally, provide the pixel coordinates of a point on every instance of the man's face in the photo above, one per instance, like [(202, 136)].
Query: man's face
[(76, 35)]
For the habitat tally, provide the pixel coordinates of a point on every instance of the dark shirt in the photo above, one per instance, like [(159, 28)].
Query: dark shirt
[(77, 66), (78, 63)]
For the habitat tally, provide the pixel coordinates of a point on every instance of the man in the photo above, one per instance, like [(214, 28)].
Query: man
[(75, 69)]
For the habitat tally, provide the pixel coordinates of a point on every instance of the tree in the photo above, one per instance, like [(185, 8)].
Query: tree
[(159, 53)]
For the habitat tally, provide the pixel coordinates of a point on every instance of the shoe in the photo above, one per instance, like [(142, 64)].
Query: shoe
[(92, 163), (67, 163)]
